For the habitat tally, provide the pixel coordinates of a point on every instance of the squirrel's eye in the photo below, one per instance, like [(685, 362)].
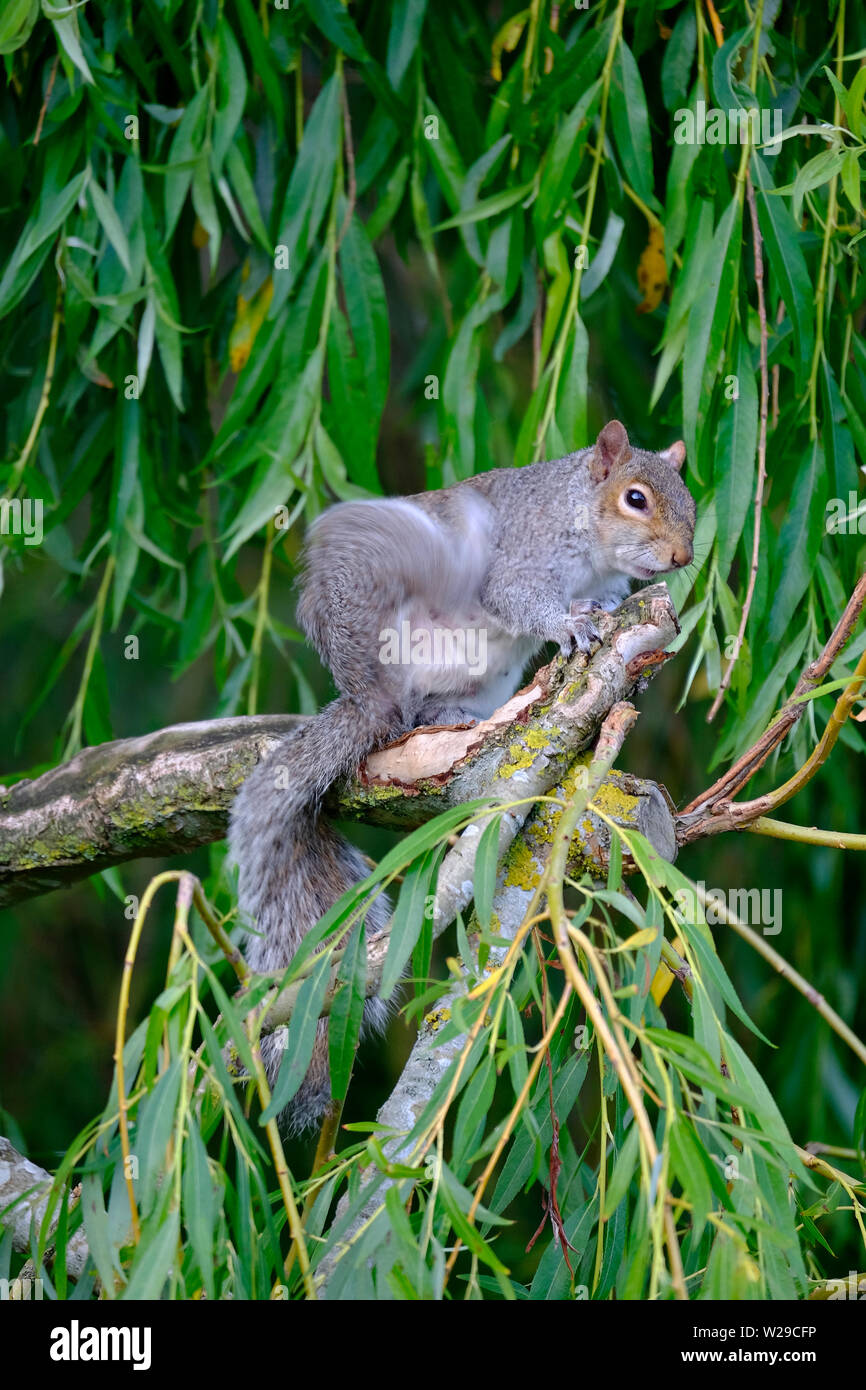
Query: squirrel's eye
[(636, 499)]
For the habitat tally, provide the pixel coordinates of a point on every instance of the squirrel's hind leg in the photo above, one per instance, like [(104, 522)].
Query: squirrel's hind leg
[(439, 711)]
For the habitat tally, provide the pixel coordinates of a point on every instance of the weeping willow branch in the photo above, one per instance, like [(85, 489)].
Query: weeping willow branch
[(45, 395), (762, 450), (713, 811), (787, 971), (523, 877), (615, 730), (807, 834)]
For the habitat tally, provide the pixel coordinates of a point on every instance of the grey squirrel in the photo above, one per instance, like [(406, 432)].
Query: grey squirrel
[(512, 558)]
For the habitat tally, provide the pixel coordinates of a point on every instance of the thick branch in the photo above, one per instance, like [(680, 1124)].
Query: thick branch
[(169, 792), (164, 793), (519, 755), (24, 1192)]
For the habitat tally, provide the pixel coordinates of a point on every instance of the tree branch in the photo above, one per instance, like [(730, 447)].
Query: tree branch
[(697, 819), (169, 792), (24, 1192), (164, 793)]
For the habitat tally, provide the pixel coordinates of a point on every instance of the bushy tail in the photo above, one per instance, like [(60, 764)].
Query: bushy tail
[(293, 865), (367, 563)]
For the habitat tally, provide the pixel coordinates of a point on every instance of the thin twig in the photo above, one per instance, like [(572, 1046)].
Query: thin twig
[(841, 710), (780, 314), (73, 742), (45, 395), (298, 1247), (537, 316), (123, 1101), (46, 99), (262, 594), (787, 971), (807, 834), (791, 712), (716, 23), (550, 1202), (350, 165), (725, 815), (762, 453), (569, 318), (232, 953)]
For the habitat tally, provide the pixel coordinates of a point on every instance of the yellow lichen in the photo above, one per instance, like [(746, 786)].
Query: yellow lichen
[(615, 801), (383, 791), (519, 759), (522, 868)]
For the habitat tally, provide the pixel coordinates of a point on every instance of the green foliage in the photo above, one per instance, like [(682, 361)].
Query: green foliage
[(253, 256)]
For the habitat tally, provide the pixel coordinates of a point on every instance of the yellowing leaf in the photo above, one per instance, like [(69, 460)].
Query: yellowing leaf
[(652, 275), (486, 984), (645, 937), (249, 317), (200, 237), (506, 40), (664, 976)]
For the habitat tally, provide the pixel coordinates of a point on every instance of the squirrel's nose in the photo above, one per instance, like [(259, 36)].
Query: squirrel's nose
[(682, 555)]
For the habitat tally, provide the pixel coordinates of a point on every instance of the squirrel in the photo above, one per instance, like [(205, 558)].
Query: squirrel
[(512, 559)]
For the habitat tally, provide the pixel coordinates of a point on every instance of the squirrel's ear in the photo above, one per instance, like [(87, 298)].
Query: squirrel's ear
[(675, 455), (610, 445)]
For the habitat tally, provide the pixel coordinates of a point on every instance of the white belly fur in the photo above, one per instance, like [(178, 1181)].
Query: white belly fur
[(464, 656)]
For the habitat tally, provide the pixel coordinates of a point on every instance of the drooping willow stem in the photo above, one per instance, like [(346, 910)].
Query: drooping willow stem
[(574, 294)]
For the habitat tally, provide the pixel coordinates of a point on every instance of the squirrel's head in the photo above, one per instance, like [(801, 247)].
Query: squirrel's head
[(644, 513)]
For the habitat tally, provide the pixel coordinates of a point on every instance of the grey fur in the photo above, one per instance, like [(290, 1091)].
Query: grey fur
[(520, 556)]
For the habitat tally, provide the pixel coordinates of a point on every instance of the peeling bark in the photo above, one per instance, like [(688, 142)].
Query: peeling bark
[(169, 792)]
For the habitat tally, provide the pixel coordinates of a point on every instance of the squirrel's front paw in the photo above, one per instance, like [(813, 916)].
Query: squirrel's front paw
[(578, 633)]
